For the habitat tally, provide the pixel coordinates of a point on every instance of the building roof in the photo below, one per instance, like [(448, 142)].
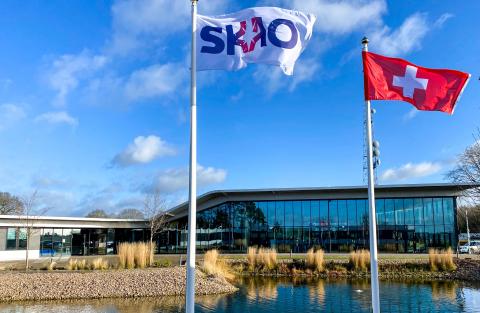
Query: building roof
[(216, 197), (71, 222)]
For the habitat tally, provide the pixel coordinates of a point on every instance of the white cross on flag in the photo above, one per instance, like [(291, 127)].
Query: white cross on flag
[(396, 79), (265, 35)]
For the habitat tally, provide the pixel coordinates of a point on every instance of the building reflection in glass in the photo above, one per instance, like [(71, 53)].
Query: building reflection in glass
[(404, 225)]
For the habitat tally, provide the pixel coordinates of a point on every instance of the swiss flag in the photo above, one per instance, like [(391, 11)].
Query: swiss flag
[(396, 79)]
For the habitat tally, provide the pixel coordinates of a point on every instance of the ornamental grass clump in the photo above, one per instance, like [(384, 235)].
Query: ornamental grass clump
[(359, 260), (140, 254), (126, 257), (75, 265), (441, 260), (251, 257), (213, 265), (135, 255), (99, 264), (266, 258), (315, 260)]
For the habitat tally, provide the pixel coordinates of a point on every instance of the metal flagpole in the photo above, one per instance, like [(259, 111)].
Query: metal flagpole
[(192, 212), (371, 202)]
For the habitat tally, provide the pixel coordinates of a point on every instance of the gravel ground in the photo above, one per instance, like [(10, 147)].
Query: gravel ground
[(17, 286)]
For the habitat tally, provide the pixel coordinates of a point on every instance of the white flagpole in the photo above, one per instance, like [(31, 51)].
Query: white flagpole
[(371, 202), (192, 212)]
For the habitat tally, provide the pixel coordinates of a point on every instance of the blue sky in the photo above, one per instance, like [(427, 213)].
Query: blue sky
[(94, 101)]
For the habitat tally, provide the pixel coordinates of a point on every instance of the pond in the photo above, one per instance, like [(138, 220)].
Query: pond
[(266, 295)]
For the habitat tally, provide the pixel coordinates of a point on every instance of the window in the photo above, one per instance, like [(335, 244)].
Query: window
[(399, 212), (380, 209), (271, 214), (315, 213), (16, 238), (305, 213), (297, 213), (46, 246), (352, 213), (342, 213), (288, 213), (389, 212), (418, 211), (279, 213), (438, 210), (409, 216), (448, 211), (333, 214), (428, 214), (362, 213), (324, 214)]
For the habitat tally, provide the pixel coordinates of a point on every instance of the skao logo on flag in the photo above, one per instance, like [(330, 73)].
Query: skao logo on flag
[(426, 88), (257, 35)]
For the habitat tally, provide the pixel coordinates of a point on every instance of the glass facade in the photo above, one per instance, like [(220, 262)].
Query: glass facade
[(404, 225), (85, 241)]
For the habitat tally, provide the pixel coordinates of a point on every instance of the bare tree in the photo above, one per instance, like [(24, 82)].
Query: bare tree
[(30, 215), (154, 211), (467, 170), (10, 204)]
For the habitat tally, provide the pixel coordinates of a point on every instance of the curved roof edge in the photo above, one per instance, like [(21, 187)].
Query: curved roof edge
[(453, 188)]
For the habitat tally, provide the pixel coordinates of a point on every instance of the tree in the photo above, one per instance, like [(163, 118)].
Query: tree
[(10, 204), (131, 214), (473, 219), (154, 211), (30, 215), (467, 170), (98, 213)]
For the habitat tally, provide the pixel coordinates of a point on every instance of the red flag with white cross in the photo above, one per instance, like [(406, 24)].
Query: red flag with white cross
[(396, 79)]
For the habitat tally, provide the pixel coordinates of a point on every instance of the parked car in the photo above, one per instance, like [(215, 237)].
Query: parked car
[(473, 248)]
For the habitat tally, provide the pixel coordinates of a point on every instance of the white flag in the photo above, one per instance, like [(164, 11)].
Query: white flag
[(257, 35)]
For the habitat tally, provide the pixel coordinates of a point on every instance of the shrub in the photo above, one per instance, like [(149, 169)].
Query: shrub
[(359, 260), (314, 260), (441, 260)]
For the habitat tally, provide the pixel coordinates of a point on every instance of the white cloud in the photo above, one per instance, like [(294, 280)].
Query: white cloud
[(10, 114), (404, 39), (143, 150), (60, 117), (138, 22), (274, 79), (156, 80), (411, 170), (410, 114), (442, 19), (67, 70), (177, 179), (339, 17)]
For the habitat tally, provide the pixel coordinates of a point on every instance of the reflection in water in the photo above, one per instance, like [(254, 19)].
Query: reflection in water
[(305, 295)]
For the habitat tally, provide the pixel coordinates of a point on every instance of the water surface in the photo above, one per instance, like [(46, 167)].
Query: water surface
[(265, 295)]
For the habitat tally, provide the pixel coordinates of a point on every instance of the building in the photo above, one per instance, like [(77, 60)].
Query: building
[(410, 218), (66, 236)]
